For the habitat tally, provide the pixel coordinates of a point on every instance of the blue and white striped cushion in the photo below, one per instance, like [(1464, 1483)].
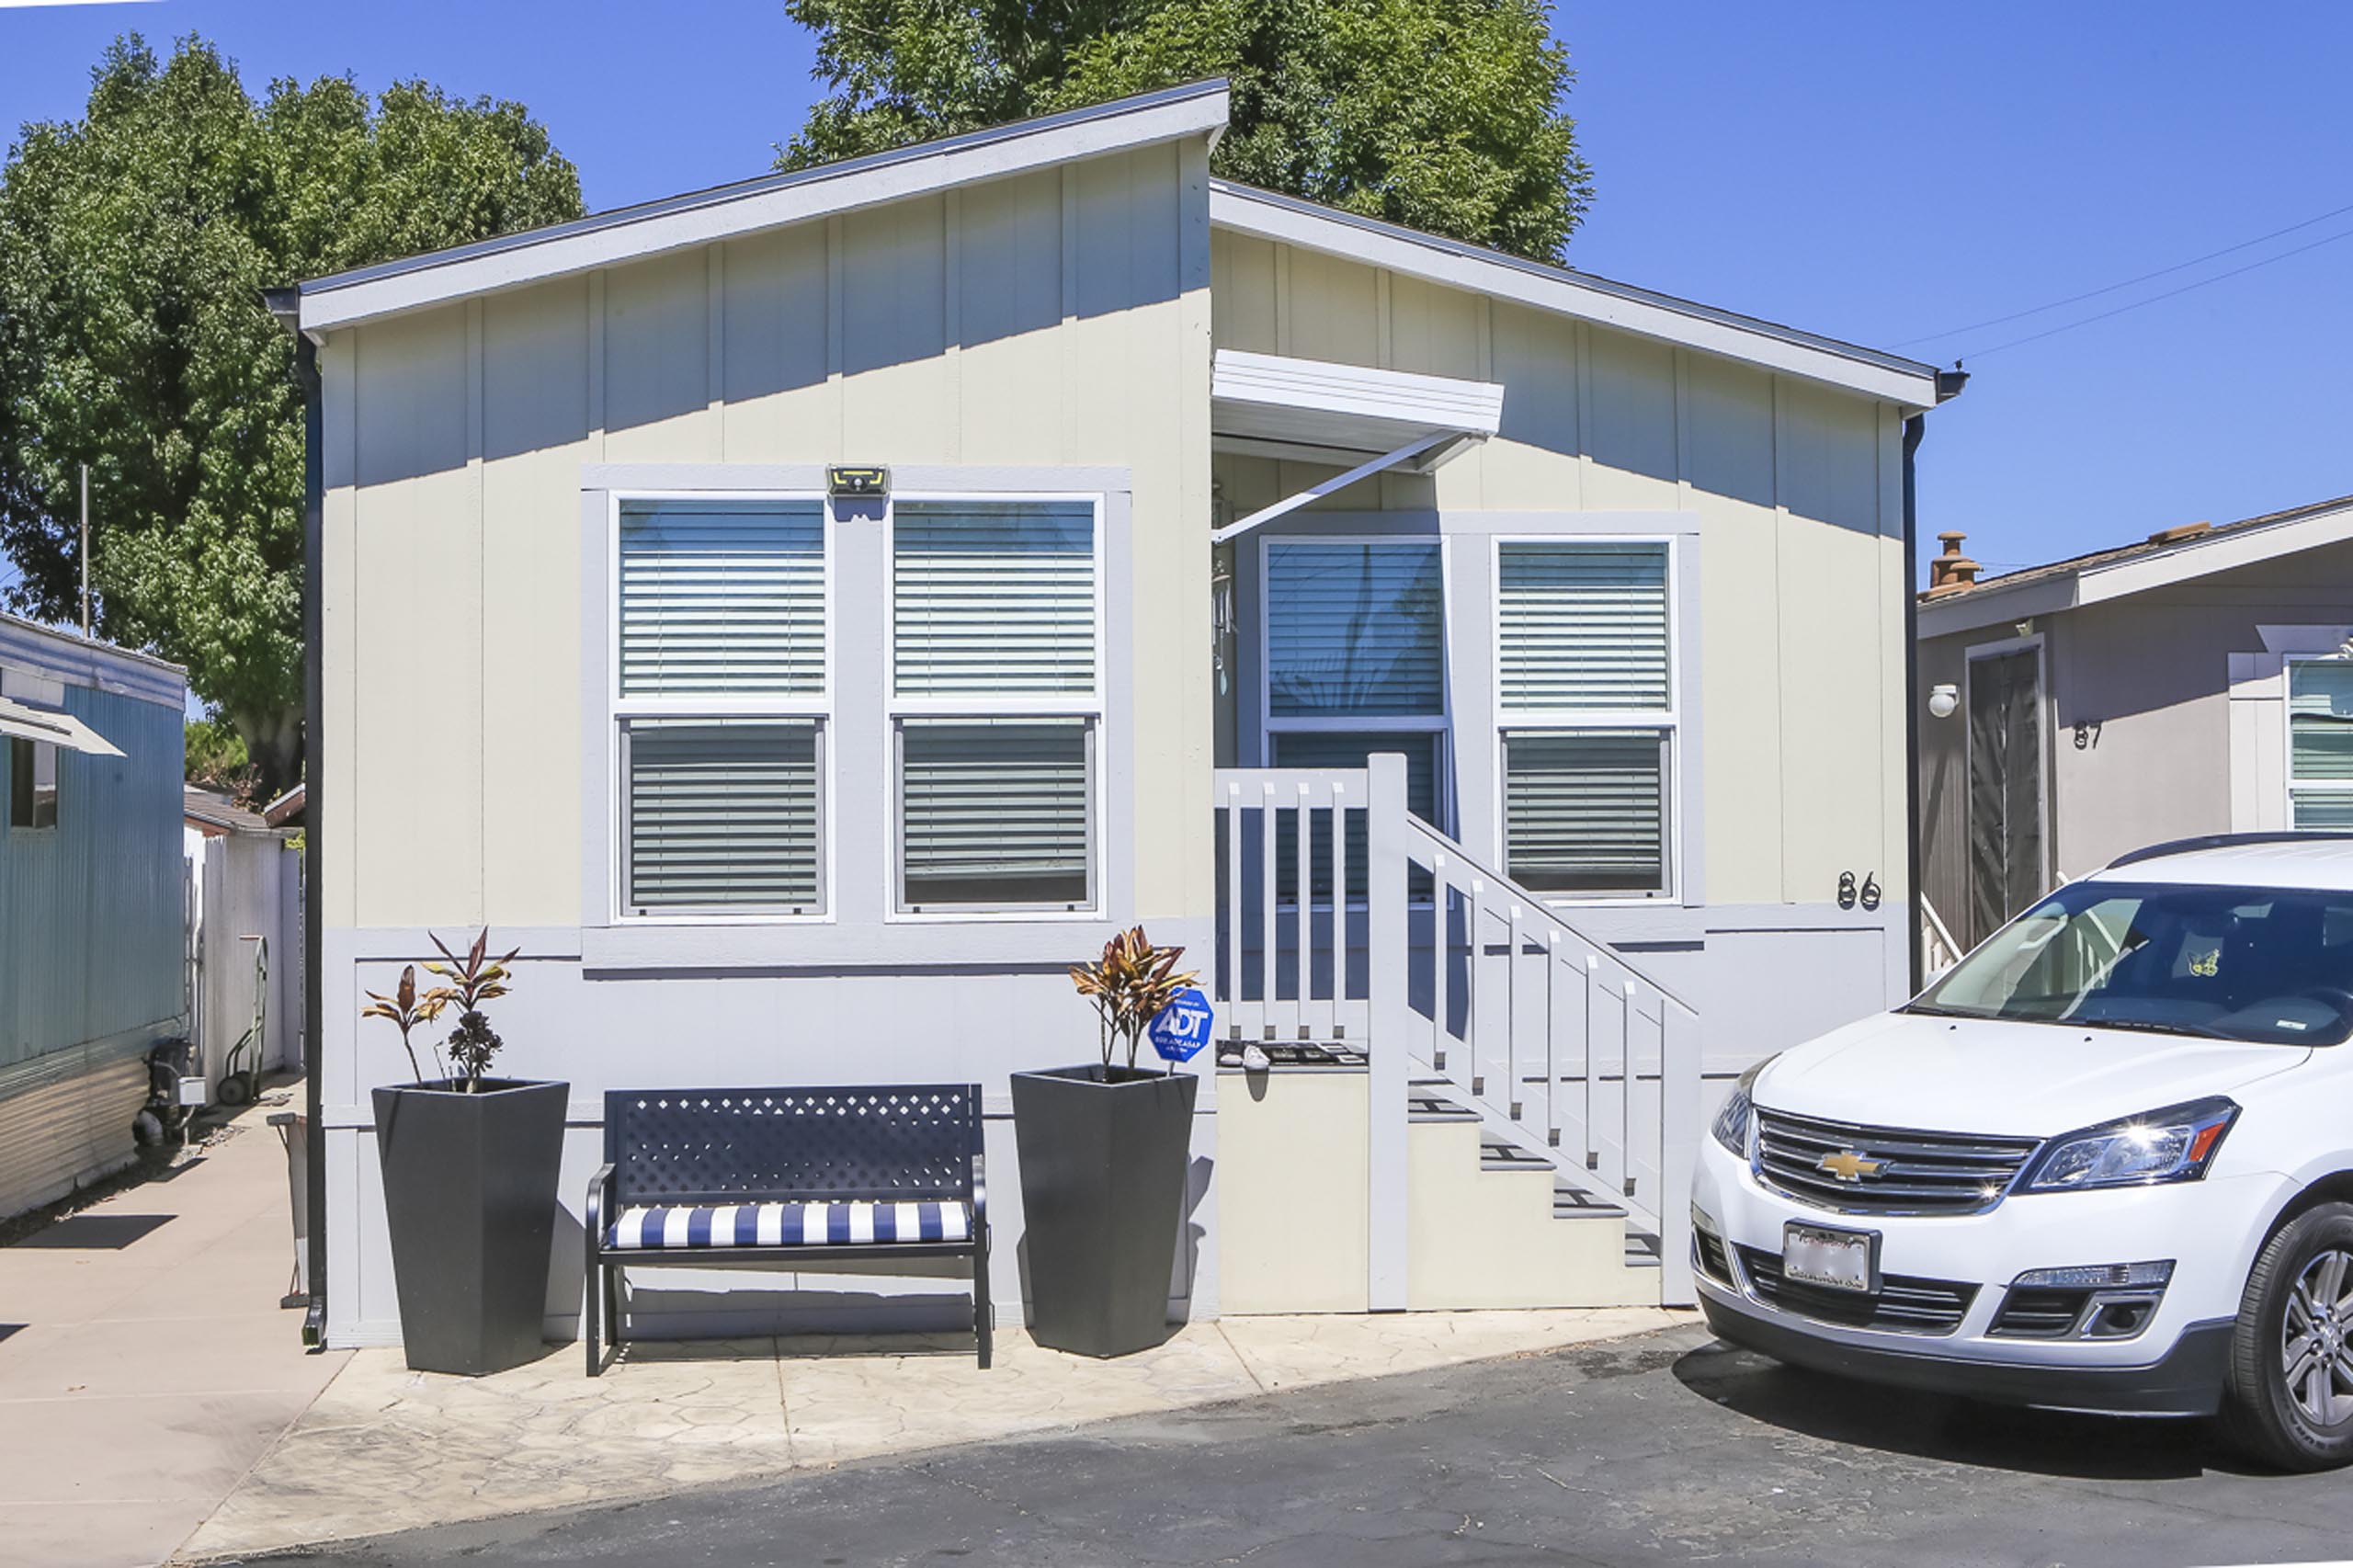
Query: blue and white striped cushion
[(657, 1228)]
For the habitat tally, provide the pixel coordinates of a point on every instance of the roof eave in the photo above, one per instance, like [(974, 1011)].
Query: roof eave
[(347, 299), (1912, 386)]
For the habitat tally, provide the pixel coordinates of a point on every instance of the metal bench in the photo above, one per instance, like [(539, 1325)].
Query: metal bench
[(792, 1176)]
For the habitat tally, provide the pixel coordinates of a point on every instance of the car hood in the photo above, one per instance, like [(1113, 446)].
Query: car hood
[(2003, 1078)]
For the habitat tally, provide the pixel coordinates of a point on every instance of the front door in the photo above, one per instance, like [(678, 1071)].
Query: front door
[(2008, 869)]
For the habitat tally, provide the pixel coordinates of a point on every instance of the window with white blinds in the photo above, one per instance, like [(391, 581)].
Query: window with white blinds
[(1585, 811), (996, 813), (722, 598), (2319, 743), (720, 694), (1584, 626), (996, 693), (1355, 629), (1585, 690), (991, 600), (722, 814)]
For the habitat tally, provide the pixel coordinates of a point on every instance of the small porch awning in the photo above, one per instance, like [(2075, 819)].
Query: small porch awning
[(52, 728), (1354, 417)]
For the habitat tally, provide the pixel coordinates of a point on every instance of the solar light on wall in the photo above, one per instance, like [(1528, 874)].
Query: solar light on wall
[(1943, 700)]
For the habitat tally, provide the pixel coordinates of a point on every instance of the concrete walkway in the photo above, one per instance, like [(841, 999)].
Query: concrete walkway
[(386, 1449), (145, 1364)]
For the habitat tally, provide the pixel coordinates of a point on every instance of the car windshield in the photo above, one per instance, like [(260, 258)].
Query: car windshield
[(2263, 964)]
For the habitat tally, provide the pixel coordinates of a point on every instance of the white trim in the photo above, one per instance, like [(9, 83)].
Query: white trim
[(1246, 211), (2222, 551), (352, 298), (1272, 400), (1668, 718)]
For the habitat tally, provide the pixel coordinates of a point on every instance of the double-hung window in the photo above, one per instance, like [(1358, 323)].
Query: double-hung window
[(995, 692), (1584, 693), (1356, 658), (2319, 743), (722, 683)]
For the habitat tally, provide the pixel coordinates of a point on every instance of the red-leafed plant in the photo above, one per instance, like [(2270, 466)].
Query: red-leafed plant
[(406, 1010), (1129, 985), (475, 979)]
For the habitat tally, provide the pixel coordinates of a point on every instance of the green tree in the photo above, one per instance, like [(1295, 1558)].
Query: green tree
[(1445, 115), (134, 245)]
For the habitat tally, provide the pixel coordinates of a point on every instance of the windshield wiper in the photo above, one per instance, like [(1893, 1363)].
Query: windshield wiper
[(1930, 1010), (2148, 1026)]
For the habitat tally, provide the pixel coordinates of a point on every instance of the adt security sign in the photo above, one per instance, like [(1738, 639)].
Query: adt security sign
[(1182, 1026)]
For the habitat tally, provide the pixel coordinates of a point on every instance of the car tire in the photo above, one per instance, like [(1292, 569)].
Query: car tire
[(2288, 1394)]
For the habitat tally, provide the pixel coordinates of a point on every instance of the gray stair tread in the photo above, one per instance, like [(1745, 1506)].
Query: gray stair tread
[(1642, 1249)]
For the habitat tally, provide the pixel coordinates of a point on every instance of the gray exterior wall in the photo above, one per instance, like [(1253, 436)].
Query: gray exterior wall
[(92, 916), (2179, 696)]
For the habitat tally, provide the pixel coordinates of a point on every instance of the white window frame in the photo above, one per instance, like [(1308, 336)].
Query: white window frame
[(1645, 721), (1440, 726), (2290, 784), (1093, 706), (620, 709)]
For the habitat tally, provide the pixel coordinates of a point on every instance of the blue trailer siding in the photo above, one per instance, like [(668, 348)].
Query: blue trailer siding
[(92, 911)]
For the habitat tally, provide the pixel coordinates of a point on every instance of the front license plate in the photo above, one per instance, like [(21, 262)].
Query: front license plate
[(1841, 1260)]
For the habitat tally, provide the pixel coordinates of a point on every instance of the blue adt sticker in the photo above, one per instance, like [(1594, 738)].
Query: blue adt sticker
[(1182, 1028)]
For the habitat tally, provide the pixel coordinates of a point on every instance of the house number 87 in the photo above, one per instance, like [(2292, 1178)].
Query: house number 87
[(2088, 735)]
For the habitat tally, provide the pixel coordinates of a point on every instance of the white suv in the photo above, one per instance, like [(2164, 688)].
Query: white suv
[(2105, 1163)]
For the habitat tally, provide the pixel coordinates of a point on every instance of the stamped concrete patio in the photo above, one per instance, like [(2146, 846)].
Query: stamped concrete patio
[(385, 1449)]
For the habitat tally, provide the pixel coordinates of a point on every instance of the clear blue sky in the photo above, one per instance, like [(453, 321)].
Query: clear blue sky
[(1868, 172)]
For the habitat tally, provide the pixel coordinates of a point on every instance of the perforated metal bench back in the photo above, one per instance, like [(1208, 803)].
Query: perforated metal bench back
[(908, 1141)]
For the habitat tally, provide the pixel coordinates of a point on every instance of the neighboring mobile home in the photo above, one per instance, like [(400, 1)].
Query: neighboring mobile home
[(93, 897), (2194, 681), (1196, 505)]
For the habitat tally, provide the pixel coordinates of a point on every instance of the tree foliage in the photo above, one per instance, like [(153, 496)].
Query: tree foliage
[(134, 245), (1445, 115)]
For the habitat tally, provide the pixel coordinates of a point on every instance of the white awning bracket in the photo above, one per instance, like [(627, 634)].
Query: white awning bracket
[(1405, 453), (52, 728)]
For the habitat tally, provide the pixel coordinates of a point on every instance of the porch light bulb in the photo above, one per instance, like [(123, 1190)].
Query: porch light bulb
[(1943, 700)]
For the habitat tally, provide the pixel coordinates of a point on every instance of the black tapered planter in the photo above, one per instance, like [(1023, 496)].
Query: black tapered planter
[(470, 1201), (1102, 1162)]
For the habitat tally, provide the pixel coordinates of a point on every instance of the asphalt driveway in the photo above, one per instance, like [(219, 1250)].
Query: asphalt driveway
[(1667, 1448)]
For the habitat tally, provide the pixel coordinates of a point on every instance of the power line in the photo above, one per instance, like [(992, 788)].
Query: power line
[(2154, 299), (2144, 278)]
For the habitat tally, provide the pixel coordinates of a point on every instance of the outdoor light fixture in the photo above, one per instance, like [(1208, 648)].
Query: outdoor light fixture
[(1943, 700)]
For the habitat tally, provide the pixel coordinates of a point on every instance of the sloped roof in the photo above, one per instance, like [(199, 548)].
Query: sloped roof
[(696, 217), (208, 808), (2161, 558)]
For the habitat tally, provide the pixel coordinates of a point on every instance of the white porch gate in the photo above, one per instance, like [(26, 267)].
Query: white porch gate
[(1342, 916)]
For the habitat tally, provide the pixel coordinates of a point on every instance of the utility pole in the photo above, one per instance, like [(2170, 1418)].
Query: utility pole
[(86, 550)]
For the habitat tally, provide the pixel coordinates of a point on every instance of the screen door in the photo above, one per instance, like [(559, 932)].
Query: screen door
[(2006, 762)]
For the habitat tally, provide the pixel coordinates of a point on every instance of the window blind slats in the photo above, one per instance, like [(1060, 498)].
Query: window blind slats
[(992, 600), (1355, 629), (1584, 626), (2320, 723), (722, 814), (1585, 811), (722, 600), (994, 811)]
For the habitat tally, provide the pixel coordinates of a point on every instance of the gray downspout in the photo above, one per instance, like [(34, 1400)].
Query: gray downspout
[(1915, 429), (306, 372)]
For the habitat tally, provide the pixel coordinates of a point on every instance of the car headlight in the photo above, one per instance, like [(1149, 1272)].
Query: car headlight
[(2176, 1144), (1737, 1119)]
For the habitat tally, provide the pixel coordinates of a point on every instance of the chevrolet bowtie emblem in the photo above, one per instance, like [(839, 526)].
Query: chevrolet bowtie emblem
[(1848, 1166)]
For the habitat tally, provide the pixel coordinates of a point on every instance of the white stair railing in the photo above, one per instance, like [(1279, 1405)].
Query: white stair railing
[(1342, 916)]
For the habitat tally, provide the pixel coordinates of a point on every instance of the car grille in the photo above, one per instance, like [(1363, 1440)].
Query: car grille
[(1902, 1304), (1920, 1173), (1708, 1252)]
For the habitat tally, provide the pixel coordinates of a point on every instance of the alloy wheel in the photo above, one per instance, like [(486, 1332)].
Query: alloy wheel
[(2316, 1339)]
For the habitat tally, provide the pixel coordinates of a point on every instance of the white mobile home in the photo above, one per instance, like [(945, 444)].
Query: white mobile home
[(1196, 505)]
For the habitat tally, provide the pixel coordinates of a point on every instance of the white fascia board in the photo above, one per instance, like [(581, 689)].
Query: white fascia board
[(1436, 403), (2201, 558), (327, 304), (1244, 210), (1997, 606)]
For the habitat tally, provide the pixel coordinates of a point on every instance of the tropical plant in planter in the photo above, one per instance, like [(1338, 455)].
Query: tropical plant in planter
[(470, 1164), (1104, 1152)]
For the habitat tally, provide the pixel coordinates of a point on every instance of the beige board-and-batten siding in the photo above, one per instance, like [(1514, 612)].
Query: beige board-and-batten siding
[(1798, 487), (1044, 320)]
